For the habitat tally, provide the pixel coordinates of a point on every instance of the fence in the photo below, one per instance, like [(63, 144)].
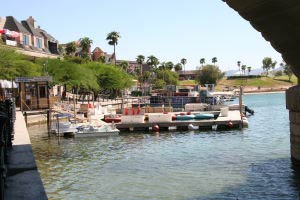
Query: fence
[(7, 118)]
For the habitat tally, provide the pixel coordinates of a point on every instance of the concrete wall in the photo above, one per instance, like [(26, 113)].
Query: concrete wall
[(23, 180)]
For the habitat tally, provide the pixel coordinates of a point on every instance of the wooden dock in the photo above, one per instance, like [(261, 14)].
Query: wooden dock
[(233, 120)]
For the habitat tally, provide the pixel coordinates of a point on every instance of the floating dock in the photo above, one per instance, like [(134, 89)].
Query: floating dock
[(232, 120)]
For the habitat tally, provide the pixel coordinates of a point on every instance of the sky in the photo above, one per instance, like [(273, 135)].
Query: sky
[(168, 29)]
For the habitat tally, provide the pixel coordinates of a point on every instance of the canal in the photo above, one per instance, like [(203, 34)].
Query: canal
[(253, 163)]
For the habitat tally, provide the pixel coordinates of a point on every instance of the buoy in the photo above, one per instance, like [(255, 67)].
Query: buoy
[(188, 113), (126, 111), (230, 124), (155, 128)]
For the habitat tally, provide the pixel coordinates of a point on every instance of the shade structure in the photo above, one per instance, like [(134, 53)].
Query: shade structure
[(8, 84)]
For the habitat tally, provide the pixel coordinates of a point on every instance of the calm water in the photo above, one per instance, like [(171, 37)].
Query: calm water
[(253, 163)]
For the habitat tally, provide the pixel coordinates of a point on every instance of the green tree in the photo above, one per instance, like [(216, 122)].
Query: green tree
[(13, 64), (202, 61), (183, 62), (162, 66), (85, 44), (113, 38), (153, 62), (209, 74), (249, 70), (102, 59), (239, 66), (140, 60), (71, 48), (287, 70), (165, 77), (169, 65), (214, 60), (243, 67), (61, 50), (178, 67), (124, 65), (268, 64)]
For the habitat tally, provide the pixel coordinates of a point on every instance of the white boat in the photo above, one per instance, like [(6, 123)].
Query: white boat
[(63, 128), (96, 131)]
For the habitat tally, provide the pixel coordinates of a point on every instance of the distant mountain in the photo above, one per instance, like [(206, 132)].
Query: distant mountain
[(237, 72)]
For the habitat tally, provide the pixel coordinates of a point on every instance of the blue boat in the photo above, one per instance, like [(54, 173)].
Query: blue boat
[(185, 117), (204, 116)]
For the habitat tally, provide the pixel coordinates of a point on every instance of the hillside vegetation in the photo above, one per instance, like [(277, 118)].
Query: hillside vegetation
[(263, 82)]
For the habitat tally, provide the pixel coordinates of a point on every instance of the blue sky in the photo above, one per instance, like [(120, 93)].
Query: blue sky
[(170, 30)]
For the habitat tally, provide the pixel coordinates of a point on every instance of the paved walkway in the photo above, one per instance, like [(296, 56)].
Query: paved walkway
[(23, 181)]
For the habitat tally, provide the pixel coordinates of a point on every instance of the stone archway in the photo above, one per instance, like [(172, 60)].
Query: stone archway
[(279, 23)]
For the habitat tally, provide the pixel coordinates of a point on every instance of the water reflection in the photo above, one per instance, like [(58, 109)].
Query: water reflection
[(253, 163), (270, 180)]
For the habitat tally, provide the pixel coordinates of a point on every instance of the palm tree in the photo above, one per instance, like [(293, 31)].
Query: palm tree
[(249, 70), (140, 60), (85, 44), (202, 61), (169, 65), (214, 60), (178, 67), (162, 66), (239, 66), (152, 61), (243, 68), (113, 38), (70, 48), (124, 65), (183, 62)]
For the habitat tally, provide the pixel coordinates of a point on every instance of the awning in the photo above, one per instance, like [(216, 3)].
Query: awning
[(9, 33), (8, 84)]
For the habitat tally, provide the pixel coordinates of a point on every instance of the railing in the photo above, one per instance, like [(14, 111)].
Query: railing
[(7, 118)]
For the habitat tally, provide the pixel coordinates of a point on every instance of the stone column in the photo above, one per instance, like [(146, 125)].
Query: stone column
[(293, 105)]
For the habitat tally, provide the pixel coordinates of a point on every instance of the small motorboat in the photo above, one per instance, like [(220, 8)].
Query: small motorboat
[(63, 128), (185, 117), (204, 116), (96, 131)]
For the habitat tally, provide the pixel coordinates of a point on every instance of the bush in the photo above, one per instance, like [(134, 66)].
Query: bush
[(278, 73), (136, 93)]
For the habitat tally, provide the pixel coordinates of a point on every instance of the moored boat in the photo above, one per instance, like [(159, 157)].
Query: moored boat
[(96, 131)]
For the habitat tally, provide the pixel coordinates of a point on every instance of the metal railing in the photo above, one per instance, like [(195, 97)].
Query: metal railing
[(7, 118)]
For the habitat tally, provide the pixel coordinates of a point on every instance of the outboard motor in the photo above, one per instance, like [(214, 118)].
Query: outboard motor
[(248, 110)]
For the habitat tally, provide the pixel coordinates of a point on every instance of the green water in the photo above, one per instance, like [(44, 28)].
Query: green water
[(252, 163)]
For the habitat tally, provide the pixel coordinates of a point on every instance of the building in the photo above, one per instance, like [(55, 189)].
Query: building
[(98, 53), (187, 75), (133, 65), (27, 37)]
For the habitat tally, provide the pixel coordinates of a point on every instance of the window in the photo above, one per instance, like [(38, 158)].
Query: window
[(25, 39), (39, 43), (43, 91)]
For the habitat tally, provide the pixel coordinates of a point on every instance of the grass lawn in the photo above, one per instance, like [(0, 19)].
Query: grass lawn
[(279, 81), (187, 82)]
